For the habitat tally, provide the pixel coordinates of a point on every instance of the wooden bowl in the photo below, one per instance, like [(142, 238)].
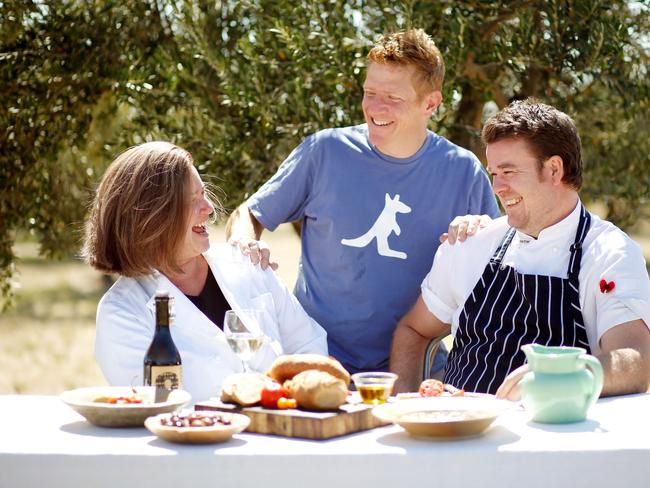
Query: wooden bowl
[(82, 400), (198, 435), (444, 417)]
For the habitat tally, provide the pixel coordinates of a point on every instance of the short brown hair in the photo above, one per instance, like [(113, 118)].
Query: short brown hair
[(412, 47), (547, 131), (139, 211)]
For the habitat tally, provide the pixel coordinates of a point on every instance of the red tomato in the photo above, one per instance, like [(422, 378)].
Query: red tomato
[(431, 388), (271, 393), (125, 400)]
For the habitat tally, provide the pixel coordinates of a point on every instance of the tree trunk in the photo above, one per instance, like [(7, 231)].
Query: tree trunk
[(466, 129)]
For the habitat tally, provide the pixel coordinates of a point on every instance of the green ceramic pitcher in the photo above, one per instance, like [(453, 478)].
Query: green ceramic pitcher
[(562, 384)]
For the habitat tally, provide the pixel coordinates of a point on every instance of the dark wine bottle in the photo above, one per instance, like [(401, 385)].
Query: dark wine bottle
[(162, 363)]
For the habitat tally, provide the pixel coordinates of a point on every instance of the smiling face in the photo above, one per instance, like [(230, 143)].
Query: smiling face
[(396, 115), (197, 239), (533, 198)]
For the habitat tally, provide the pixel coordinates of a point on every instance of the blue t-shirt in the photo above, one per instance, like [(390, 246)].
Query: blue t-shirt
[(371, 225)]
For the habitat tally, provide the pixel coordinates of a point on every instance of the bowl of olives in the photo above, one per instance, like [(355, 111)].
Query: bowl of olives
[(189, 427)]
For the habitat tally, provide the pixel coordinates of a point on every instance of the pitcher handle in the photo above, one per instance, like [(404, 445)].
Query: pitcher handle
[(597, 370)]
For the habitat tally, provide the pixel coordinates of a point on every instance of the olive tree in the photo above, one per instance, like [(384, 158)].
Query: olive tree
[(63, 66), (252, 78), (241, 82)]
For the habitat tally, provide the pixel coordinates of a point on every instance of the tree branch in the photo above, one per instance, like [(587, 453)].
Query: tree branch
[(487, 74), (489, 27)]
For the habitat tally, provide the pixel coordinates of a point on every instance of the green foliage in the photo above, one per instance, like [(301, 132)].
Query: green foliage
[(250, 80), (586, 57), (57, 61), (241, 82)]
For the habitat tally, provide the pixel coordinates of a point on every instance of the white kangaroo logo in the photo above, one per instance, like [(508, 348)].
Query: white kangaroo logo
[(383, 227)]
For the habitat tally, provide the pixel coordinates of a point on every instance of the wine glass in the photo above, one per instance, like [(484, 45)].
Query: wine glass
[(244, 333)]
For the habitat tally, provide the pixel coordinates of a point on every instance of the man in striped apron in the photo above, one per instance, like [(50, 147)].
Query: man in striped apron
[(549, 272)]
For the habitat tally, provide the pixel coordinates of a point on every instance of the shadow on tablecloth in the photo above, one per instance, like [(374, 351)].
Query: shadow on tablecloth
[(87, 429), (496, 435)]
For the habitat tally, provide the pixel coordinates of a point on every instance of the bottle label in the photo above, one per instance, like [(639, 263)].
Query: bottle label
[(167, 377)]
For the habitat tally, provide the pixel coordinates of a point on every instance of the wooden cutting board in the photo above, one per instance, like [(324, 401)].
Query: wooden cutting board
[(301, 423)]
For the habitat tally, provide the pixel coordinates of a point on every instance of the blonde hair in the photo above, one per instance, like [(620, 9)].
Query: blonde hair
[(413, 47), (140, 211)]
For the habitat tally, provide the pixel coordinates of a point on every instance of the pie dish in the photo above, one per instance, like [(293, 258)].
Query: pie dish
[(444, 417)]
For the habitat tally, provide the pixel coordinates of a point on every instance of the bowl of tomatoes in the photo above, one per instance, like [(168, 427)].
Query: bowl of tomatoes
[(123, 406)]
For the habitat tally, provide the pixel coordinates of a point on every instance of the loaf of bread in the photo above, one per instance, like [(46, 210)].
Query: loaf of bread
[(286, 367), (244, 389), (317, 390)]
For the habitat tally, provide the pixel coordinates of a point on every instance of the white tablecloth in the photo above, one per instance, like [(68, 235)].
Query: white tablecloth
[(45, 444)]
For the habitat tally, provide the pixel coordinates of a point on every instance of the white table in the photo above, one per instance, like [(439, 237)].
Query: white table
[(45, 444)]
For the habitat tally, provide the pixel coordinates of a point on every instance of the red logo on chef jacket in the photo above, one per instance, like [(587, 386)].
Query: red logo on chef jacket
[(606, 286)]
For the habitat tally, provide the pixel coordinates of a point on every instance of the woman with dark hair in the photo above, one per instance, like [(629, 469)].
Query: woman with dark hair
[(148, 225)]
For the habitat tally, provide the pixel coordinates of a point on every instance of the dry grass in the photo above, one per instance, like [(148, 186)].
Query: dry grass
[(46, 342)]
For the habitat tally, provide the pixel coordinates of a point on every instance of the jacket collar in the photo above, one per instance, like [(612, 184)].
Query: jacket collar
[(193, 320), (226, 263), (564, 230), (226, 267)]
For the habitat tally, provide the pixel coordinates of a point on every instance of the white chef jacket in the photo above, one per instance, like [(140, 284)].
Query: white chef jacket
[(126, 323), (607, 253)]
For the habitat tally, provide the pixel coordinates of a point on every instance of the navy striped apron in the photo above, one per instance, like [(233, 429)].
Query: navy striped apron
[(507, 309)]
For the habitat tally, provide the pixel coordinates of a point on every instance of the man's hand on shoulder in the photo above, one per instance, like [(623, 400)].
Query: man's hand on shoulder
[(258, 251), (463, 227), (243, 223)]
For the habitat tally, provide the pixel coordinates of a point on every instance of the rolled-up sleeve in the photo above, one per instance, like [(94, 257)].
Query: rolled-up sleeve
[(620, 263), (284, 196), (436, 287)]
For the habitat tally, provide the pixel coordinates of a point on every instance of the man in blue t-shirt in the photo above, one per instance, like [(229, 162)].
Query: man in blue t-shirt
[(373, 200)]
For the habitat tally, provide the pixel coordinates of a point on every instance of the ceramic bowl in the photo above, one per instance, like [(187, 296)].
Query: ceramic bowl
[(199, 435), (84, 401), (444, 417)]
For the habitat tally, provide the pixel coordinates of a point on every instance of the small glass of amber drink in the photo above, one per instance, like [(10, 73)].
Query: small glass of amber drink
[(374, 387)]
